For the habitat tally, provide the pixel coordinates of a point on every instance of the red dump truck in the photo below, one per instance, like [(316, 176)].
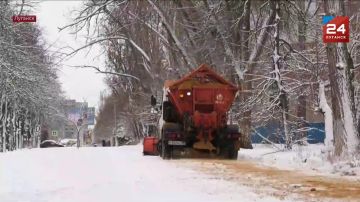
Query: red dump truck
[(195, 115)]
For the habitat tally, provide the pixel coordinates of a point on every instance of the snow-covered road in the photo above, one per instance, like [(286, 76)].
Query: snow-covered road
[(124, 174), (108, 174)]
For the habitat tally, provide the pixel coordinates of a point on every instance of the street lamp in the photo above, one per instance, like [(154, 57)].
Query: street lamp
[(78, 129), (79, 125)]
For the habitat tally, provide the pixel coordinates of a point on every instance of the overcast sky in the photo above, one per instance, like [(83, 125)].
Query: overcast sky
[(79, 84)]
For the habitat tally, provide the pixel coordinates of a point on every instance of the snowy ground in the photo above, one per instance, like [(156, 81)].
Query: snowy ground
[(108, 174), (124, 174)]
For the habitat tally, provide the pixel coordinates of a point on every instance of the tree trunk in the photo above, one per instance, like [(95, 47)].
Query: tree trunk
[(301, 101), (325, 108), (283, 98), (136, 130), (347, 97), (14, 128), (17, 134), (187, 58), (4, 125), (246, 84), (221, 29), (2, 118), (21, 133), (190, 15), (338, 127), (340, 66), (250, 62), (37, 130)]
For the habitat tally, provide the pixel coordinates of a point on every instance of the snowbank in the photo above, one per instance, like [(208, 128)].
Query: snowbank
[(310, 158)]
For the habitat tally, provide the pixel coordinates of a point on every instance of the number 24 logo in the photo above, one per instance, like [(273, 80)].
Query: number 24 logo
[(331, 29)]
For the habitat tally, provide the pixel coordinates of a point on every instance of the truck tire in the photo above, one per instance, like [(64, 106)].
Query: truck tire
[(165, 150), (245, 141), (159, 147), (232, 152), (229, 151)]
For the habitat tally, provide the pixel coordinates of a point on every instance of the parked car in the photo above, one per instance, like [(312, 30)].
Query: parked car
[(50, 143), (68, 142)]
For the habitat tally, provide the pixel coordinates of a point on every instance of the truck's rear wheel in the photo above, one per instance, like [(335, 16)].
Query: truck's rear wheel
[(245, 141), (229, 151), (232, 152), (159, 148), (165, 150)]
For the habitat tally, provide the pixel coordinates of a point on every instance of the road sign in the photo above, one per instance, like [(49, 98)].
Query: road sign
[(37, 129), (54, 133)]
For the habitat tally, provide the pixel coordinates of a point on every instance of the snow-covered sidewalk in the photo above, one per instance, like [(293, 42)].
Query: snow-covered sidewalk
[(109, 174)]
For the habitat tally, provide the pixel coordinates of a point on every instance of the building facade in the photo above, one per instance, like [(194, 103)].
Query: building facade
[(77, 116)]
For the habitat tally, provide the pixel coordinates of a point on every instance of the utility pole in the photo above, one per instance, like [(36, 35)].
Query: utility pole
[(115, 123), (81, 122), (114, 118), (78, 129)]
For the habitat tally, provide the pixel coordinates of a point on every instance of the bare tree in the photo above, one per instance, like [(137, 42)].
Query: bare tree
[(29, 87), (341, 76)]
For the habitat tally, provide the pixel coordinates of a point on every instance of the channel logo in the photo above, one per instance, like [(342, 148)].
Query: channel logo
[(335, 29), (24, 18)]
